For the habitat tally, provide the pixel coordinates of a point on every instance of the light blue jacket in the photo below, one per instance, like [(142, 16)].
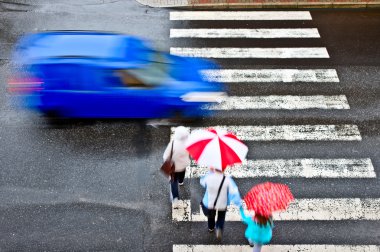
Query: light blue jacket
[(228, 194), (261, 234)]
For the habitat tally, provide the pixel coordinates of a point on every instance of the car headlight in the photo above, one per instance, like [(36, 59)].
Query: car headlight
[(204, 97)]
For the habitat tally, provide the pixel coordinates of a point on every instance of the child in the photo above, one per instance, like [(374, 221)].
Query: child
[(259, 230)]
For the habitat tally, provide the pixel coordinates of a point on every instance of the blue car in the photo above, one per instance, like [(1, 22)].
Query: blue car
[(78, 74)]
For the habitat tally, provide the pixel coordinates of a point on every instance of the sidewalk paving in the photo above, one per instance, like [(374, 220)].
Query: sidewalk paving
[(227, 4)]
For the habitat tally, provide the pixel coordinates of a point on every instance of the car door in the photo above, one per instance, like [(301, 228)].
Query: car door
[(62, 94), (129, 97), (133, 102)]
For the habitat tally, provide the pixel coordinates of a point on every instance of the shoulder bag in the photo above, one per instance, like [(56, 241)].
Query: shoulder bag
[(168, 167)]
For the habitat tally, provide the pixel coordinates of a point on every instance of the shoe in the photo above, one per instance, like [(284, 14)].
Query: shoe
[(218, 234), (181, 184), (210, 230)]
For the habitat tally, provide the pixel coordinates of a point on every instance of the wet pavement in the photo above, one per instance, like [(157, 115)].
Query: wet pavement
[(96, 185)]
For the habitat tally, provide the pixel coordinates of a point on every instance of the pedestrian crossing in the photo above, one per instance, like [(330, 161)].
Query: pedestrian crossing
[(289, 102), (241, 53), (247, 77), (293, 132), (270, 75), (314, 209), (296, 168), (240, 15), (245, 33)]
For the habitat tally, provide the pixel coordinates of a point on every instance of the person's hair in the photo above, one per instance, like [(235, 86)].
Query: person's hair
[(262, 220)]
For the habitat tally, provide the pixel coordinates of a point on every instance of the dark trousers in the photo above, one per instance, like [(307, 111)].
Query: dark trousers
[(178, 178), (219, 222)]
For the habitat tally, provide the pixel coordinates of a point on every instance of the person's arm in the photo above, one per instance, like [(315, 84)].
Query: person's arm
[(233, 192), (244, 218), (167, 151), (203, 180)]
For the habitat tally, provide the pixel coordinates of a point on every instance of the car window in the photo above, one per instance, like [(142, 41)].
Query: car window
[(156, 71), (149, 75), (128, 79)]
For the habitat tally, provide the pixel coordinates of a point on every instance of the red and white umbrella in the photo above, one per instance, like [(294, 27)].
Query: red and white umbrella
[(216, 148)]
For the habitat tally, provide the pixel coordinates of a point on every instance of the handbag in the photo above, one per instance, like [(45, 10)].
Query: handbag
[(205, 210), (168, 168)]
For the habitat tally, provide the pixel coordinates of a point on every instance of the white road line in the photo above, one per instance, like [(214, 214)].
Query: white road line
[(270, 75), (240, 15), (328, 209), (281, 102), (277, 248), (245, 33), (294, 132), (267, 53), (296, 168)]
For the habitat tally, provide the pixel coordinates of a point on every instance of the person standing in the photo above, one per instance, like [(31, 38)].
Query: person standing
[(221, 190), (180, 158), (259, 230)]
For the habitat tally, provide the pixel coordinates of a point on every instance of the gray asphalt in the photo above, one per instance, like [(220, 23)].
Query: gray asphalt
[(96, 186)]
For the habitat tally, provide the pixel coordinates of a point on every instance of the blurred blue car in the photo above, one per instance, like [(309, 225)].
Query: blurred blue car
[(78, 74)]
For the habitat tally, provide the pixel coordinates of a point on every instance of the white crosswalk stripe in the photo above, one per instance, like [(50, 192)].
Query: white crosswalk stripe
[(268, 53), (313, 209), (245, 33), (296, 168), (289, 102), (270, 75), (294, 132), (277, 248), (240, 15)]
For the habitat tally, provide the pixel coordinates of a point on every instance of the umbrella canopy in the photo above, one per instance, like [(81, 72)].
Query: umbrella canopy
[(216, 148), (268, 197)]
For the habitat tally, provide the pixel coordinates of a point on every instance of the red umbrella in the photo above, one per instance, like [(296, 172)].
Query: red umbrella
[(268, 197), (216, 148)]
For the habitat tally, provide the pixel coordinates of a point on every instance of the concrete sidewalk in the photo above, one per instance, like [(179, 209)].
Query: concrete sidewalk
[(226, 4)]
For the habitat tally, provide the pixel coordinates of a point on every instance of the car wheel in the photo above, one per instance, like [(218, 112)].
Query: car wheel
[(180, 118), (53, 118)]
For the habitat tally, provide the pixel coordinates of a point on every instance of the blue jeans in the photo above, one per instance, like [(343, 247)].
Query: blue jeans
[(257, 247), (219, 222), (178, 178)]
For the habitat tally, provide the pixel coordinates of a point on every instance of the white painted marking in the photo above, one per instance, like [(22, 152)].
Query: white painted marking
[(245, 33), (240, 15), (296, 168), (270, 75), (268, 53), (281, 102), (277, 248), (294, 132), (329, 209), (181, 211)]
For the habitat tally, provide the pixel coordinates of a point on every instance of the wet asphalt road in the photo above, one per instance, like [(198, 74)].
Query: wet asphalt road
[(96, 186)]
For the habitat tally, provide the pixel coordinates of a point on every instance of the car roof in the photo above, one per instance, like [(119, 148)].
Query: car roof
[(72, 44)]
